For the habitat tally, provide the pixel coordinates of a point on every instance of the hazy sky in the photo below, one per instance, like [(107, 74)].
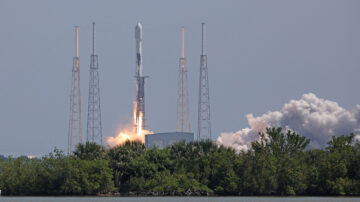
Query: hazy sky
[(261, 54)]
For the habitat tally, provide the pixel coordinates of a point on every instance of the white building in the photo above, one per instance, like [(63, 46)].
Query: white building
[(162, 140)]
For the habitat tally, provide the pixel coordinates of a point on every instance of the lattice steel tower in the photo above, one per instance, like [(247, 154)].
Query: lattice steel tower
[(204, 123), (75, 129), (94, 127), (182, 117)]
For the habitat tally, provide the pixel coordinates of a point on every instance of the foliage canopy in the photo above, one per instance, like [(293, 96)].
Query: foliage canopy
[(278, 164)]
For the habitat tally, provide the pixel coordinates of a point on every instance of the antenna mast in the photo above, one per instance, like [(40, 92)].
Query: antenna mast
[(94, 127), (75, 129)]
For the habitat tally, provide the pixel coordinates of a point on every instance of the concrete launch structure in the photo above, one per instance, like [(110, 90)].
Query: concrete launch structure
[(139, 104), (162, 140)]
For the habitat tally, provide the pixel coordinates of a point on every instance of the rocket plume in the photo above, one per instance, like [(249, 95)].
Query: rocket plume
[(127, 133)]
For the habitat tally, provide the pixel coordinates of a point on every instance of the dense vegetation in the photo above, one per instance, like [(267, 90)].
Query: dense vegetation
[(279, 164)]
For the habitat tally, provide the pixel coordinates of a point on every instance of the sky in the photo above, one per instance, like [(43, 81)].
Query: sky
[(261, 54)]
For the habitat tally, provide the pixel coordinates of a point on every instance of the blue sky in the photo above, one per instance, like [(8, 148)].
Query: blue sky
[(261, 54)]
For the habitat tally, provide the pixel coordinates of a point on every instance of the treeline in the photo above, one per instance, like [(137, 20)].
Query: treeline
[(2, 157), (278, 164)]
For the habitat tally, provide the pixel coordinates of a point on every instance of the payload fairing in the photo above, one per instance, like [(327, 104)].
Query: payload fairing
[(139, 104)]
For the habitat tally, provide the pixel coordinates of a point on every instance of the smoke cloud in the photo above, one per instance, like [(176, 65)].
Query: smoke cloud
[(127, 133), (313, 117)]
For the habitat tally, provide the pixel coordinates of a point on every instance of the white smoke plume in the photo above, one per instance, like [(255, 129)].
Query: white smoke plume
[(312, 117)]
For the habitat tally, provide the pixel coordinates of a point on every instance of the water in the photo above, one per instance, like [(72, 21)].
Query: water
[(179, 199)]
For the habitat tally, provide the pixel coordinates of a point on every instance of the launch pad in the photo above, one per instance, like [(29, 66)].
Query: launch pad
[(162, 140)]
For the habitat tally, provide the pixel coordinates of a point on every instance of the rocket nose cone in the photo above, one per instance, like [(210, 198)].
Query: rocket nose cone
[(138, 31), (139, 25)]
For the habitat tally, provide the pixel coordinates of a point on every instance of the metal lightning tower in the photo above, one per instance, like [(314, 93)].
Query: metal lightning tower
[(94, 128), (75, 129), (204, 124), (139, 104), (182, 116)]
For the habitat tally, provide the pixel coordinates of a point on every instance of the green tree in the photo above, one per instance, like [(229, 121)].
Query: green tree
[(191, 157), (258, 171), (277, 163), (19, 176), (341, 166), (288, 150), (90, 151), (119, 159), (155, 170), (223, 178), (55, 174)]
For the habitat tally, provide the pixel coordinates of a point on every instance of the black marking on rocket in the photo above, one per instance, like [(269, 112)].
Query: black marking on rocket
[(138, 59), (141, 87)]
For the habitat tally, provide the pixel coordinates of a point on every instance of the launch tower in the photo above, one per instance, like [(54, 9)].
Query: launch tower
[(204, 124), (94, 127), (182, 116), (75, 129)]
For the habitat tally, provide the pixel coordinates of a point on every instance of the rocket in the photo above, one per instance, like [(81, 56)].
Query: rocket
[(138, 38), (139, 104)]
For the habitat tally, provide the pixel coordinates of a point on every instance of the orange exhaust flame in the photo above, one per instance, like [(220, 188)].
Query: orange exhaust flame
[(134, 113), (128, 133)]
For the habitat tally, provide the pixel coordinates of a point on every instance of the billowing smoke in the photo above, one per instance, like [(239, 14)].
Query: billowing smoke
[(313, 117), (127, 133)]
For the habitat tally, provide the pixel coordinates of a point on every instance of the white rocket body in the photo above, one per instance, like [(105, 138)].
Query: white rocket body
[(140, 81), (138, 38)]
